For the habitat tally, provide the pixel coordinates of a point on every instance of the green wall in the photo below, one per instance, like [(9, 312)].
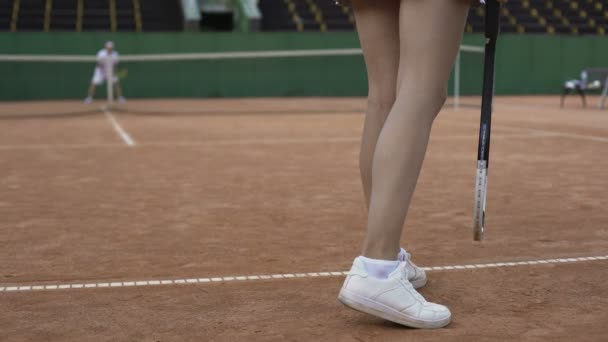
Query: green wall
[(527, 64)]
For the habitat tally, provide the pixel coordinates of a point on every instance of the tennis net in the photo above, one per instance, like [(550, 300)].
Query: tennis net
[(318, 72)]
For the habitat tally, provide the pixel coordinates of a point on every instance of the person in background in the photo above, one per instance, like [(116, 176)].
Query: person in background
[(105, 57)]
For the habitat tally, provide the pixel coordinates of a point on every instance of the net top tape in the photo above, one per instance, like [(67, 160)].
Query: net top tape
[(201, 55)]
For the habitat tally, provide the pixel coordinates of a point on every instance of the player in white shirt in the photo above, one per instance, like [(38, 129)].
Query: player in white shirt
[(100, 74)]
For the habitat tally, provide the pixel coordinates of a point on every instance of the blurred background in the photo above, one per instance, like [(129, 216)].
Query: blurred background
[(183, 212), (545, 43)]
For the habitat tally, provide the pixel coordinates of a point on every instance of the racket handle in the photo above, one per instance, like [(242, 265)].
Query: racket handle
[(481, 188)]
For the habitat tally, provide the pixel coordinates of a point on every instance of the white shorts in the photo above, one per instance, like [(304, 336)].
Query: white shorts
[(99, 77)]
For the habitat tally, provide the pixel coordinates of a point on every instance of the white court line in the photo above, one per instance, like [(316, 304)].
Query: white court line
[(556, 134), (118, 128), (189, 281), (538, 132), (547, 110), (230, 142), (238, 142), (262, 141), (58, 146)]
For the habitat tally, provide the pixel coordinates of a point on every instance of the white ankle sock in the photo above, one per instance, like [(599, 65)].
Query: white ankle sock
[(379, 268)]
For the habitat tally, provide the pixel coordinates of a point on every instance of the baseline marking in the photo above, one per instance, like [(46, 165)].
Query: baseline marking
[(538, 132), (557, 134), (237, 142), (118, 128), (139, 283)]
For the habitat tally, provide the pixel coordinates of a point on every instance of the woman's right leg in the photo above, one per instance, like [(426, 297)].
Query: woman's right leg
[(378, 28), (430, 36)]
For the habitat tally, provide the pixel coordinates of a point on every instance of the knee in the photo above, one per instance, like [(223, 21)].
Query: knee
[(424, 100), (380, 102), (435, 98)]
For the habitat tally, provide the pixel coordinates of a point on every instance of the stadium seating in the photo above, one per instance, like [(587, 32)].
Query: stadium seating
[(63, 15), (161, 15), (90, 15), (96, 16), (548, 16), (6, 10), (519, 16), (304, 15)]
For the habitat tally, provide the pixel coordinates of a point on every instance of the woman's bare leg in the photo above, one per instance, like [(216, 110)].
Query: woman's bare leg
[(430, 33), (378, 26), (377, 283)]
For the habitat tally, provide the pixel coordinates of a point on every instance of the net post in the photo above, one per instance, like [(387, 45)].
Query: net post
[(457, 81), (109, 66)]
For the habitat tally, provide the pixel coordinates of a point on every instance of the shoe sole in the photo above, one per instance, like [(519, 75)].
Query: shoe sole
[(373, 308)]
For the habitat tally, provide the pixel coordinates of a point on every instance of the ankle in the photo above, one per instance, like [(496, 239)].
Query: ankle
[(379, 269), (381, 251)]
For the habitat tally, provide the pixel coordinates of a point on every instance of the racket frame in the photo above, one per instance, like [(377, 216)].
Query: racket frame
[(492, 29)]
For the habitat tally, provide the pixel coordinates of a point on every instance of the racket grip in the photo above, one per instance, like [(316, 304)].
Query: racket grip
[(481, 187)]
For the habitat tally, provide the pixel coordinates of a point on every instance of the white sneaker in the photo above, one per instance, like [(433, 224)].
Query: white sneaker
[(88, 100), (415, 274), (393, 299), (121, 99)]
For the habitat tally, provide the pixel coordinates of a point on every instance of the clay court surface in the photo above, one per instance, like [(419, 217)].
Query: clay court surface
[(163, 220)]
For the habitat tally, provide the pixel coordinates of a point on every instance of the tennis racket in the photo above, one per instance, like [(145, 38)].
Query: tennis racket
[(122, 74), (492, 28)]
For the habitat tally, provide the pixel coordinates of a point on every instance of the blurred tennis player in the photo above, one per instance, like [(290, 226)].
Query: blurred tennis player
[(409, 47), (100, 74)]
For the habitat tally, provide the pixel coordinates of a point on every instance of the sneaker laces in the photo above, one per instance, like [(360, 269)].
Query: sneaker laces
[(404, 256), (407, 258), (407, 284)]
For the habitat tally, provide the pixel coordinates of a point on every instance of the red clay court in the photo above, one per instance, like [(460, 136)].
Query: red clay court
[(231, 220)]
